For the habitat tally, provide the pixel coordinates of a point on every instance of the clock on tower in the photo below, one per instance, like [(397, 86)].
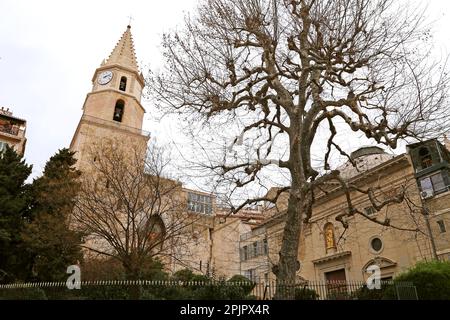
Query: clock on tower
[(113, 108)]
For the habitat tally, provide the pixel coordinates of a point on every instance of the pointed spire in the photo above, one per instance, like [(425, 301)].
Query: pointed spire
[(123, 54)]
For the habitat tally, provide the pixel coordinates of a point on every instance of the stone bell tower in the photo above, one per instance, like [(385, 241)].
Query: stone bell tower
[(112, 110)]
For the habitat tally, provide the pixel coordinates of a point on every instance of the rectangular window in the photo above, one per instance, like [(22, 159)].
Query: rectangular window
[(9, 127), (250, 254), (256, 249), (438, 182), (434, 183), (244, 256), (441, 225), (199, 203), (426, 184), (250, 274), (266, 247)]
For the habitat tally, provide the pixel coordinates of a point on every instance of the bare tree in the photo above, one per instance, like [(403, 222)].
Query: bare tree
[(129, 210), (281, 79)]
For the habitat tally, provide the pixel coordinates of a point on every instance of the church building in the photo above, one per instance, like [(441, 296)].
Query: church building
[(112, 112), (248, 243)]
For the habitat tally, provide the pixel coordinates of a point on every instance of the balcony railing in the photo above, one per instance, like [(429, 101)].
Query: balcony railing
[(10, 129), (253, 233), (115, 124)]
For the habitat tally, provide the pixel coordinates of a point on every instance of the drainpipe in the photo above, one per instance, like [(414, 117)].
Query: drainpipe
[(426, 213), (211, 244)]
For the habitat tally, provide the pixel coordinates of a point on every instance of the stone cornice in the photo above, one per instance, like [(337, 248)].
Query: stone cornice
[(365, 176), (114, 91), (335, 256), (115, 66)]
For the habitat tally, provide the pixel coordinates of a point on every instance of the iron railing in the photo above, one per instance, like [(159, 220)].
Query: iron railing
[(10, 129), (336, 290), (163, 290)]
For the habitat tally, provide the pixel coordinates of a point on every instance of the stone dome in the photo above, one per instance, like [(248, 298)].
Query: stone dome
[(365, 158)]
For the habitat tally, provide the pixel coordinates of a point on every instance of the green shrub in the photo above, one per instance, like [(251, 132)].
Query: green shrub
[(243, 282), (432, 280), (184, 275), (23, 294), (386, 292), (339, 295), (202, 287), (305, 294)]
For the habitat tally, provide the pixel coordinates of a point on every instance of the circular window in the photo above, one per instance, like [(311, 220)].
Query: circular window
[(376, 244)]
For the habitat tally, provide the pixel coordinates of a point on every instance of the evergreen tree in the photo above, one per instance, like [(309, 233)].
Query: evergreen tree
[(48, 237), (14, 212)]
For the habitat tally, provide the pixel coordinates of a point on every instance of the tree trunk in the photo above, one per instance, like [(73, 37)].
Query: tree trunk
[(288, 263), (134, 290)]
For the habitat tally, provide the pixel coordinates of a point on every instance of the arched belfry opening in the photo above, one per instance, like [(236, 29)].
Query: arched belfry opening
[(118, 110), (123, 84), (425, 158)]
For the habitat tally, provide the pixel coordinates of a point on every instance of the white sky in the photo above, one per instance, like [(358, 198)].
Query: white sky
[(49, 51)]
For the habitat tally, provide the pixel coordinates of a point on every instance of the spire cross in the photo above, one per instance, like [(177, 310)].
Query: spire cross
[(130, 17)]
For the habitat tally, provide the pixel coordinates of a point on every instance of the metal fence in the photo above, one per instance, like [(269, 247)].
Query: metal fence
[(336, 290), (214, 290)]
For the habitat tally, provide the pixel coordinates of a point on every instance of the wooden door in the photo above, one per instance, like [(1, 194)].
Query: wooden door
[(336, 284)]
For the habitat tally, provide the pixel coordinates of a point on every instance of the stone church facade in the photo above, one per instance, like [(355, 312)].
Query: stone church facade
[(248, 243), (329, 251)]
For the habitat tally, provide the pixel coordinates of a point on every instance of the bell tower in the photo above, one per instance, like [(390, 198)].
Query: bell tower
[(112, 110)]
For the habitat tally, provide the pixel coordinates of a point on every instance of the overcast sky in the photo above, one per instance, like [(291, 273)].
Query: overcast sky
[(49, 51)]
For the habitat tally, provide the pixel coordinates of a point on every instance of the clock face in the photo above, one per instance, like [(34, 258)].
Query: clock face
[(105, 77)]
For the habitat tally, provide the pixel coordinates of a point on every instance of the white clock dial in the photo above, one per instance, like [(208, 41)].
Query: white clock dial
[(105, 77)]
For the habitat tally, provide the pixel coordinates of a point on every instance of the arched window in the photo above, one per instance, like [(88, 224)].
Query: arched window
[(118, 110), (123, 84), (425, 158), (156, 229), (329, 236)]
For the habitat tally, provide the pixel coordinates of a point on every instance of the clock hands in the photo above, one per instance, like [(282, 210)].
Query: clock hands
[(105, 77)]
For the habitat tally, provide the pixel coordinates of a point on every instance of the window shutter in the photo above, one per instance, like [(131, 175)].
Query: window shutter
[(446, 177), (266, 246), (415, 158)]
